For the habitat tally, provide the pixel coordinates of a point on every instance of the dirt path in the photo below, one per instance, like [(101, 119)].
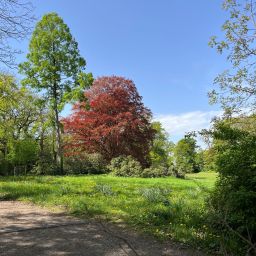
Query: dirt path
[(28, 230)]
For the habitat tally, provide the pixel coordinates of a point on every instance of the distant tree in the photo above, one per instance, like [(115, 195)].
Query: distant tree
[(185, 156), (18, 115), (22, 153), (18, 109), (160, 152), (199, 160), (208, 156), (16, 20), (116, 124), (8, 95), (237, 90), (54, 67)]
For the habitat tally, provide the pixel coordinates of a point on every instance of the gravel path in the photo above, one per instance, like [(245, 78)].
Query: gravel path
[(28, 230)]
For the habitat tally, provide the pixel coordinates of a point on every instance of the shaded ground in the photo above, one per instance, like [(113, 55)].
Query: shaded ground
[(29, 230)]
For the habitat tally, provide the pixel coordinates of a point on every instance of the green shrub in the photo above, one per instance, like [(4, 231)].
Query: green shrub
[(85, 164), (125, 166), (44, 168), (176, 172), (155, 172), (179, 173), (234, 198), (5, 167)]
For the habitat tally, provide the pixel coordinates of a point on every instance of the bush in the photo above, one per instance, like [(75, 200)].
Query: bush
[(44, 168), (176, 172), (85, 164), (155, 172), (125, 166), (4, 167), (233, 200), (179, 173)]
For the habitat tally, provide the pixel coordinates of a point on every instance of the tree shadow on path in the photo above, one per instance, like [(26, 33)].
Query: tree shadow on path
[(28, 230)]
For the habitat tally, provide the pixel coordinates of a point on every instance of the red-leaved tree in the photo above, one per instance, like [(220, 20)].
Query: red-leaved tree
[(116, 123)]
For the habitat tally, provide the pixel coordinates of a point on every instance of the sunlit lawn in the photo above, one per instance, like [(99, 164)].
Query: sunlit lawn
[(166, 207)]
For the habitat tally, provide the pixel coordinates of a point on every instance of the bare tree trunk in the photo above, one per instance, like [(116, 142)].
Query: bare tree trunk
[(41, 145), (59, 153), (41, 142), (53, 145), (59, 143)]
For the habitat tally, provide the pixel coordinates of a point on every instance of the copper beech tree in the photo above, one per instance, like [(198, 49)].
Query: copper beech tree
[(112, 121)]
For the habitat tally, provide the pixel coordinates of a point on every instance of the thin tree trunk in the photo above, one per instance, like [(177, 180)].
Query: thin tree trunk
[(41, 146), (59, 154), (41, 142), (53, 146)]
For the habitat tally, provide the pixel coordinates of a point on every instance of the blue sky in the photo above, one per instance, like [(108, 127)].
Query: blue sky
[(161, 45)]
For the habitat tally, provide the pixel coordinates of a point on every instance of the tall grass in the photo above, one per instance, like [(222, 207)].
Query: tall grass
[(166, 207)]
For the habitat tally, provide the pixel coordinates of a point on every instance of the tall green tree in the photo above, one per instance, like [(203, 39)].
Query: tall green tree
[(185, 155), (55, 67), (160, 152)]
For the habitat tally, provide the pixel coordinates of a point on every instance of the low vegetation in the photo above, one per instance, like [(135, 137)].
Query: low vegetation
[(169, 208)]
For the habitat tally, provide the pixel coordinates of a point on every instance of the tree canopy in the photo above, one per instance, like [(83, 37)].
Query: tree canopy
[(237, 90), (160, 152), (116, 123), (55, 67)]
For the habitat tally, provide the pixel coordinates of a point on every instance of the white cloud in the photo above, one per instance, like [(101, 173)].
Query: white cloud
[(179, 124)]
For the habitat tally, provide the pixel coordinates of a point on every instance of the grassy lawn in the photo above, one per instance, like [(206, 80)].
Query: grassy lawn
[(166, 207)]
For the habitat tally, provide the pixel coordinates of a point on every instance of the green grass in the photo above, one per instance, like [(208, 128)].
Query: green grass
[(166, 207)]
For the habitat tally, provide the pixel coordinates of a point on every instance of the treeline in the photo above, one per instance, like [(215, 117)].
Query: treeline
[(108, 120)]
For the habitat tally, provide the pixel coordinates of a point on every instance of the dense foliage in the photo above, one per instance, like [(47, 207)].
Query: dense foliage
[(233, 199), (85, 163), (116, 123), (55, 68), (125, 166), (156, 172), (161, 149), (234, 140), (18, 115), (186, 157)]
